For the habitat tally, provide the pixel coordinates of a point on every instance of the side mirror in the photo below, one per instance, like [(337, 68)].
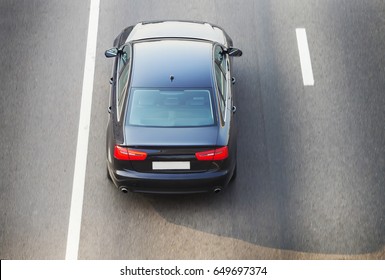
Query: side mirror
[(234, 52), (111, 52)]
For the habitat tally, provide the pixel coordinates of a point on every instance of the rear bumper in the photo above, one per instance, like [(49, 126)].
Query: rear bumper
[(171, 183)]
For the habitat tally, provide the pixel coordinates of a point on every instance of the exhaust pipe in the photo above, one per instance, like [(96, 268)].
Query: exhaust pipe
[(123, 189), (217, 190)]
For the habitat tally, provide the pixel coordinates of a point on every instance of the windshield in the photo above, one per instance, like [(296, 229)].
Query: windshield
[(170, 108)]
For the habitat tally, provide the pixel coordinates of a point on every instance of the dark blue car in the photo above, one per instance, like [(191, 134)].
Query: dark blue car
[(171, 126)]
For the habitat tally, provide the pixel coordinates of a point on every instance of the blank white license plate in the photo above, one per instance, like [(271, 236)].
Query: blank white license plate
[(170, 165)]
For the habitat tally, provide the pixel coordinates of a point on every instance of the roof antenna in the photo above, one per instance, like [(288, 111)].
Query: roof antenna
[(172, 78)]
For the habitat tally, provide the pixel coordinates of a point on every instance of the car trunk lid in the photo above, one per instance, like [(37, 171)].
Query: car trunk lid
[(171, 150)]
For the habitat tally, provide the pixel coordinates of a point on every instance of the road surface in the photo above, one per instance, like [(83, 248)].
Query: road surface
[(311, 159)]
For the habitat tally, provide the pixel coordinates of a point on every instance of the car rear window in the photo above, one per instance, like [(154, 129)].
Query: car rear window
[(170, 108)]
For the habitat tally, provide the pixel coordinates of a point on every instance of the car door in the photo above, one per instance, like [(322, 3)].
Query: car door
[(221, 77), (118, 95), (123, 77), (227, 131)]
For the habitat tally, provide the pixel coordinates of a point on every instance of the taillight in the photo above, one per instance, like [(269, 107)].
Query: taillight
[(122, 153), (217, 154)]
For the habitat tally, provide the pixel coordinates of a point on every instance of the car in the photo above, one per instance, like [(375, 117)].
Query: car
[(171, 126)]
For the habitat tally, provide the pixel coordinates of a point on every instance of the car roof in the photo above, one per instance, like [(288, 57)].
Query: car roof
[(177, 29), (172, 63)]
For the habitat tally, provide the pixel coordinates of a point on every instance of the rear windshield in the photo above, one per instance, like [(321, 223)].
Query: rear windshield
[(171, 108)]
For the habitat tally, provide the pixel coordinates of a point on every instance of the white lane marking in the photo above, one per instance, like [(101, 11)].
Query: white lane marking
[(304, 56), (75, 219)]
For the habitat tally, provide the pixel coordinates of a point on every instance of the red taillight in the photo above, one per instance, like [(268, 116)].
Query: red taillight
[(217, 154), (122, 153)]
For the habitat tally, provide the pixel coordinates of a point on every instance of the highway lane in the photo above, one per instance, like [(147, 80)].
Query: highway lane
[(311, 159), (324, 146), (42, 56)]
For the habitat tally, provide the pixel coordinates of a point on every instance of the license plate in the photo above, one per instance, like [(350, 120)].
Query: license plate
[(170, 165)]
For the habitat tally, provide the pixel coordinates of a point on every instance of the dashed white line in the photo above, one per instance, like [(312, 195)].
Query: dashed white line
[(75, 219), (304, 56)]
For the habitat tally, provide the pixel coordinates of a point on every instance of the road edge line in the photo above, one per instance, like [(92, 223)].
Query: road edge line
[(76, 208)]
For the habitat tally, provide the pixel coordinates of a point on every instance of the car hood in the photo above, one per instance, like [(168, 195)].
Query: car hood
[(171, 136)]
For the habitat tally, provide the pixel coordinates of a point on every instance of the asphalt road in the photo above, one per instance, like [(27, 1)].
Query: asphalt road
[(311, 165)]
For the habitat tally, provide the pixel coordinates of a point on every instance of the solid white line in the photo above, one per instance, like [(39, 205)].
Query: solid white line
[(304, 56), (75, 219)]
